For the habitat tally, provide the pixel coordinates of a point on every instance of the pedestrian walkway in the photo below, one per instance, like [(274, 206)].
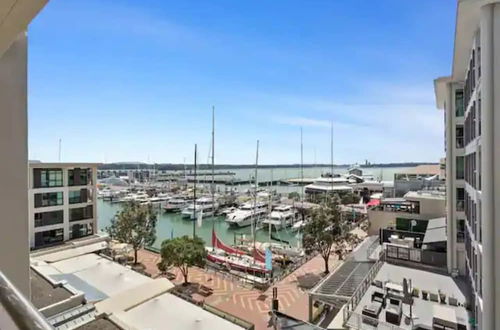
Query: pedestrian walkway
[(249, 304)]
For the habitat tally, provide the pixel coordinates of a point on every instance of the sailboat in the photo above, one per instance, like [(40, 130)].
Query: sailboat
[(235, 259)]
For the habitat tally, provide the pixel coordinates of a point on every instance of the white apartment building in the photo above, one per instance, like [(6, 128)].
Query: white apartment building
[(470, 97), (62, 202)]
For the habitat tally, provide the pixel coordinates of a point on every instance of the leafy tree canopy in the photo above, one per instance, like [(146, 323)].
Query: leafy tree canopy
[(183, 252), (134, 224), (327, 230)]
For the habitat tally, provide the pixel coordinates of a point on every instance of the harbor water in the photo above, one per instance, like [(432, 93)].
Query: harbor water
[(173, 225)]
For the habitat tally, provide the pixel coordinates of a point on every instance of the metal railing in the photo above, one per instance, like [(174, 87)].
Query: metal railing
[(427, 257), (358, 321), (16, 312), (353, 302)]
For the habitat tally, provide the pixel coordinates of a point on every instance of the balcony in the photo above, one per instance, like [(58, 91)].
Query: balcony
[(16, 312)]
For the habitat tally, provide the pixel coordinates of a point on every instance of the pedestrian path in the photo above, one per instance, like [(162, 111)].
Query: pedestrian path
[(249, 304)]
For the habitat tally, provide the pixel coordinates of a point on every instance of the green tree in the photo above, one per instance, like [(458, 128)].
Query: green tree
[(350, 198), (294, 195), (327, 230), (134, 224), (183, 252)]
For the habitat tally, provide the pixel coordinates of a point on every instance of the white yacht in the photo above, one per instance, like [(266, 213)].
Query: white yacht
[(175, 204), (140, 197), (247, 213), (204, 204), (281, 217), (158, 201)]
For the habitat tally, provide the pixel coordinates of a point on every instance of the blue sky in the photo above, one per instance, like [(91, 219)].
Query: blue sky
[(136, 80)]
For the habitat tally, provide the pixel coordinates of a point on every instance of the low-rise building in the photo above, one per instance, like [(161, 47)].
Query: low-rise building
[(409, 213), (62, 202), (76, 287), (417, 178)]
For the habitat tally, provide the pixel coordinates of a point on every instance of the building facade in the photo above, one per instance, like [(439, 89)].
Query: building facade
[(420, 206), (62, 202), (471, 102)]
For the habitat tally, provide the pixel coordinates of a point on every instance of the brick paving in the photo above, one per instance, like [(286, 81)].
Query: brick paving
[(249, 304)]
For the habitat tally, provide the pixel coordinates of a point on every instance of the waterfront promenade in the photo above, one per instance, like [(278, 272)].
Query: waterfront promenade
[(243, 301)]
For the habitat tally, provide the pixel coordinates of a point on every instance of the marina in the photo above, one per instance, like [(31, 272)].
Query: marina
[(171, 224)]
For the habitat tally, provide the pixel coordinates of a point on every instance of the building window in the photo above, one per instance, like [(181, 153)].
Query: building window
[(460, 199), (479, 116), (81, 230), (79, 176), (459, 103), (78, 196), (459, 136), (460, 230), (49, 237), (44, 178), (81, 213), (49, 199), (48, 218), (460, 168)]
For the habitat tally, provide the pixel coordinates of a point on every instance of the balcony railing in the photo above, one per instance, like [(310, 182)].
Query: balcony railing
[(16, 312)]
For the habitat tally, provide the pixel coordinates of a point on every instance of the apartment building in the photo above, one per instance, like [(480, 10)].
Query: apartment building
[(62, 202), (472, 121)]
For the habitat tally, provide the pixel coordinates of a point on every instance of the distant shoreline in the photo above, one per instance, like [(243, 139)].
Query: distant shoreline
[(173, 167)]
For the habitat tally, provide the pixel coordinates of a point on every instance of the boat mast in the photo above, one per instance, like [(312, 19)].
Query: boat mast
[(254, 223), (331, 153), (302, 172), (194, 194), (213, 168)]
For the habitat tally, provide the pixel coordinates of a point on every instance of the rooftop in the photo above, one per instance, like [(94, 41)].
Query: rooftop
[(36, 164), (43, 293), (92, 274), (153, 313), (423, 311), (425, 194), (432, 169)]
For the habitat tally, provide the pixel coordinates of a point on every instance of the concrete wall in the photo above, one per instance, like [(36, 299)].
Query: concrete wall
[(382, 219), (14, 258), (430, 208)]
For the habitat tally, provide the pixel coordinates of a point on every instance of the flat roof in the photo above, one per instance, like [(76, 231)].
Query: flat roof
[(423, 169), (43, 294), (168, 311), (97, 277), (423, 310), (425, 195), (319, 187), (34, 164), (72, 251)]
